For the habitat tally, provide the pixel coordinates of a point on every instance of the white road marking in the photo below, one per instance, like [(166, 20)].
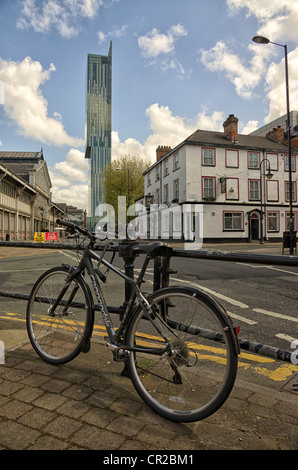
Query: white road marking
[(214, 293), (285, 337), (209, 291), (240, 318), (274, 314), (268, 267)]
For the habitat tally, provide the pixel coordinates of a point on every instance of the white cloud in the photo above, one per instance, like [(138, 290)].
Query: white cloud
[(62, 15), (250, 127), (275, 79), (75, 195), (115, 33), (221, 59), (70, 180), (75, 166), (25, 104), (173, 65), (155, 43), (2, 93), (166, 129), (277, 20)]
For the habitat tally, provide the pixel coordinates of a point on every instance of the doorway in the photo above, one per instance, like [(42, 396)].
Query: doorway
[(254, 227)]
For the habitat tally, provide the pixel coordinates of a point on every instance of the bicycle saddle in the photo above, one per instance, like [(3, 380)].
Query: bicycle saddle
[(153, 249)]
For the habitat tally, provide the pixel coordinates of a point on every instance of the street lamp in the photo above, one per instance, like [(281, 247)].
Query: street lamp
[(268, 176), (263, 40)]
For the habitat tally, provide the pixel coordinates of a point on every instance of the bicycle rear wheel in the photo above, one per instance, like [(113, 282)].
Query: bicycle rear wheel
[(196, 374), (58, 337)]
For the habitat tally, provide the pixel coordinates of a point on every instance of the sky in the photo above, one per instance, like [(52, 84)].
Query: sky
[(178, 66)]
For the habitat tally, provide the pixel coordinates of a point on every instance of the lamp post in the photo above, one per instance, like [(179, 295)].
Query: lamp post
[(268, 176), (263, 40)]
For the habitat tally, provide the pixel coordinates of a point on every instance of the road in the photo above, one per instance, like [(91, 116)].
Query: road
[(262, 300)]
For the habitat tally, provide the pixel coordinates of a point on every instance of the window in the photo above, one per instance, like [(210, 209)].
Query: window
[(157, 197), (166, 167), (7, 189), (176, 191), (273, 221), (176, 161), (208, 157), (253, 160), (272, 190), (288, 221), (232, 159), (233, 221), (273, 160), (149, 179), (254, 190), (157, 173), (232, 189), (294, 193), (293, 162), (208, 188), (166, 194)]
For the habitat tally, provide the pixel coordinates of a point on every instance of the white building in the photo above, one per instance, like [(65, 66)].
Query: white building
[(223, 176)]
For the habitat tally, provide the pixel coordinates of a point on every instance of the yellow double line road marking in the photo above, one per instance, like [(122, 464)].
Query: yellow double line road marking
[(247, 361)]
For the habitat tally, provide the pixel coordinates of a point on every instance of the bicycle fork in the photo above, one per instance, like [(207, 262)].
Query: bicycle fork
[(58, 301)]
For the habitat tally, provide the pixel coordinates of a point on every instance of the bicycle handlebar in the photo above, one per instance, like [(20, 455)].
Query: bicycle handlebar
[(75, 227)]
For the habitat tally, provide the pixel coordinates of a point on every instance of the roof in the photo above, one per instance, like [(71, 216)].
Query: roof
[(251, 142), (219, 139), (18, 180), (21, 155), (24, 163)]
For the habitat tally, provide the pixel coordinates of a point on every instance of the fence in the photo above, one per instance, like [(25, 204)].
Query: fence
[(162, 272)]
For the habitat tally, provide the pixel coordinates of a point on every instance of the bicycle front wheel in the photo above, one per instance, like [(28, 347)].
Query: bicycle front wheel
[(196, 372), (59, 336)]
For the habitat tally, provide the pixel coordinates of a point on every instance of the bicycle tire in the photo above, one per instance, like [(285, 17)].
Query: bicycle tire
[(196, 378), (59, 338)]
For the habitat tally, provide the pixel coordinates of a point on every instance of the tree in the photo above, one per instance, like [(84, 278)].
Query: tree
[(124, 177)]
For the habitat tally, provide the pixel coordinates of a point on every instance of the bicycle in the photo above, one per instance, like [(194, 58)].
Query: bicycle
[(178, 344)]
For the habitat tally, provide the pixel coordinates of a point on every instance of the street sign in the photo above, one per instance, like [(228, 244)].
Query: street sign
[(51, 236), (39, 237)]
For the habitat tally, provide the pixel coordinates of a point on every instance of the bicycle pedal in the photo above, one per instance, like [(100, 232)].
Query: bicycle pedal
[(119, 354)]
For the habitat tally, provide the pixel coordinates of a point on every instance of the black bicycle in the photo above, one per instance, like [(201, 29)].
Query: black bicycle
[(178, 344)]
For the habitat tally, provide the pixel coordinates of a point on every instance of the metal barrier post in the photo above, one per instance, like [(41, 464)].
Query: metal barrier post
[(125, 252)]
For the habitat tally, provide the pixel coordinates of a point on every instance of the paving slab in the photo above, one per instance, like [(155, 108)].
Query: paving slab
[(88, 405)]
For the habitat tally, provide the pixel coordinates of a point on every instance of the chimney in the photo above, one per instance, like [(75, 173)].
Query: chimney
[(276, 134), (231, 128), (161, 151), (294, 142)]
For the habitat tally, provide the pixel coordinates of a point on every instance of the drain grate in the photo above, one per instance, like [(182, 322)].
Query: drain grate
[(291, 385)]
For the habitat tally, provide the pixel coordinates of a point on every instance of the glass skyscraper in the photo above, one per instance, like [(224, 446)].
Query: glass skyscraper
[(99, 117)]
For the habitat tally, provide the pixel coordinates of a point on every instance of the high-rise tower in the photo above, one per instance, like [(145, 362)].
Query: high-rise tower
[(99, 117)]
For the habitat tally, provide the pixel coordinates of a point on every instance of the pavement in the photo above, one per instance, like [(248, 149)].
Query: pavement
[(88, 405)]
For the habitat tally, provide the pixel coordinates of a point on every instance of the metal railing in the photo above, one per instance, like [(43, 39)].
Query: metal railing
[(163, 271)]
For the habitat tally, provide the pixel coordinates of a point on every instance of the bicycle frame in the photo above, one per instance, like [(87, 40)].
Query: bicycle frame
[(94, 274)]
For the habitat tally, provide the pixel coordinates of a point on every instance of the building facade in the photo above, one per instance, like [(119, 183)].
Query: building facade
[(99, 115), (223, 176), (26, 204)]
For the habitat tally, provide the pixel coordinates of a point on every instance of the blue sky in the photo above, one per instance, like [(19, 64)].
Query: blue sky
[(178, 65)]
